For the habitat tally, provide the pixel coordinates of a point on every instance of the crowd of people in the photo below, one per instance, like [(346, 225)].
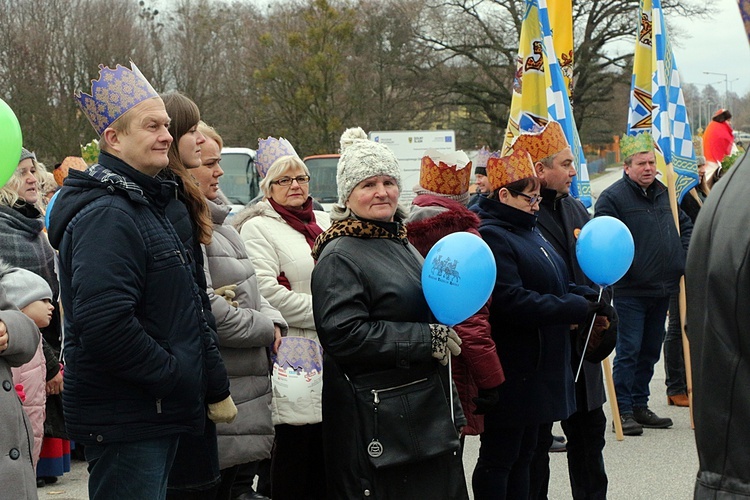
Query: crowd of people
[(145, 326)]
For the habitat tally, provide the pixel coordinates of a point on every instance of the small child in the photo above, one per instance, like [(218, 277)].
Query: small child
[(32, 295)]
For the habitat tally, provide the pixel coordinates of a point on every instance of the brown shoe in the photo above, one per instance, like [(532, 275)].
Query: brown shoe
[(678, 400)]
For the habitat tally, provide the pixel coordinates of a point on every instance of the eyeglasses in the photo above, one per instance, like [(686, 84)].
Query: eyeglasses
[(533, 200), (287, 181)]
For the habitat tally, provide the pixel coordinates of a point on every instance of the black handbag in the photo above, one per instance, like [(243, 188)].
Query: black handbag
[(403, 420)]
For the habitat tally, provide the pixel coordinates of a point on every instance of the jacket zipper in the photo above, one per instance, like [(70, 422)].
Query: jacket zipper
[(158, 405)]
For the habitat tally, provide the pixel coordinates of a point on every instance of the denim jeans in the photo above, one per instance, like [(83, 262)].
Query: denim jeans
[(639, 340), (131, 471), (503, 468), (674, 359)]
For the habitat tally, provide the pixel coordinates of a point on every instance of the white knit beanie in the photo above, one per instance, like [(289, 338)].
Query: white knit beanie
[(23, 287), (361, 159)]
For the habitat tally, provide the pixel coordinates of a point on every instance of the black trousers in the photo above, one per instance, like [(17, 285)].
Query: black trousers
[(297, 467), (584, 432)]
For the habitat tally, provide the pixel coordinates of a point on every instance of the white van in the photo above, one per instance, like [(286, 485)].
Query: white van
[(240, 180)]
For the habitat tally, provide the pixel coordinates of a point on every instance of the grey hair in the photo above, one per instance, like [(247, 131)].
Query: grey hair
[(278, 167)]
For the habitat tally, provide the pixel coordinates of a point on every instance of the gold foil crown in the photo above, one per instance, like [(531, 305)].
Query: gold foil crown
[(113, 94), (540, 145), (640, 143), (509, 169), (445, 173)]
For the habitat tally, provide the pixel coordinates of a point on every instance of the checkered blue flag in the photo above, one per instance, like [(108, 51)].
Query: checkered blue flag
[(670, 126), (559, 109)]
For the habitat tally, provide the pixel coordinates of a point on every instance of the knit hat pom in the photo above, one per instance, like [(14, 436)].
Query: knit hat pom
[(351, 135)]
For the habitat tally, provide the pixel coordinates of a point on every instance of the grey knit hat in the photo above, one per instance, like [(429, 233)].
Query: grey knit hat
[(25, 153), (361, 159), (23, 287)]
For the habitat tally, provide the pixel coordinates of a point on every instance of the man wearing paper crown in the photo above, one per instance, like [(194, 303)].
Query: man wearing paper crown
[(560, 218), (641, 297), (439, 209), (134, 327), (480, 174), (531, 312)]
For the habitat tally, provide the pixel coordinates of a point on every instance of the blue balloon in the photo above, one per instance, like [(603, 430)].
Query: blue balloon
[(49, 210), (605, 250), (458, 277)]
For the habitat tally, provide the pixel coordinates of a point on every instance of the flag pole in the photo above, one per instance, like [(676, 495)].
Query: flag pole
[(671, 177)]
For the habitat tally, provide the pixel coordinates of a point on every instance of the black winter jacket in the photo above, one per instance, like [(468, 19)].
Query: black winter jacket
[(373, 320), (530, 316), (559, 218), (660, 252), (133, 315)]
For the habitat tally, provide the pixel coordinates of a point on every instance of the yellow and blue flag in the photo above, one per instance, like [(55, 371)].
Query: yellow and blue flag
[(540, 91), (657, 103)]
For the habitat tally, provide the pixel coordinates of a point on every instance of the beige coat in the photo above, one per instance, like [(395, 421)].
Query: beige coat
[(275, 247), (245, 334)]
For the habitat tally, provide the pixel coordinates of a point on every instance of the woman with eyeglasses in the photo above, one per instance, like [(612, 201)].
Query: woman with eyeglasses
[(279, 233), (531, 314)]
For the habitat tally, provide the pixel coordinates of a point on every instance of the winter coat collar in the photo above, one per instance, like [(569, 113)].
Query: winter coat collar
[(494, 213), (551, 199), (218, 210), (359, 228), (652, 191)]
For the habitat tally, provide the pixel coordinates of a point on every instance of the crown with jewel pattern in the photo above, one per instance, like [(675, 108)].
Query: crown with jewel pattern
[(445, 173), (113, 94), (642, 142), (270, 150), (508, 169), (542, 144)]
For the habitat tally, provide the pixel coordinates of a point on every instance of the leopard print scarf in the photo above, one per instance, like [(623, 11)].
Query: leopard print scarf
[(356, 228)]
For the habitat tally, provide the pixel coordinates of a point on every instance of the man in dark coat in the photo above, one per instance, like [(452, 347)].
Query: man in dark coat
[(642, 295), (718, 292), (135, 340), (560, 218)]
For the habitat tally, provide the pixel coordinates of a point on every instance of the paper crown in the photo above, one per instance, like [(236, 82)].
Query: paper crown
[(445, 173), (639, 143), (514, 167), (113, 94), (270, 150), (70, 162), (480, 161), (542, 144)]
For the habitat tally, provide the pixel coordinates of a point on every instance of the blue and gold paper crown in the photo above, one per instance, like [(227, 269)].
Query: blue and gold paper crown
[(639, 143), (113, 94), (270, 150)]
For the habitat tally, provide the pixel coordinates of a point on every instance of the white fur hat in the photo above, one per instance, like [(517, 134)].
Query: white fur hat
[(23, 287), (361, 159)]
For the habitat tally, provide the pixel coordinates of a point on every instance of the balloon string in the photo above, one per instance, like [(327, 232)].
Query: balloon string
[(588, 336), (450, 387)]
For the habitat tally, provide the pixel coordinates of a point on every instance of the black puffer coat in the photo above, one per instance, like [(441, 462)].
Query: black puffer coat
[(372, 318)]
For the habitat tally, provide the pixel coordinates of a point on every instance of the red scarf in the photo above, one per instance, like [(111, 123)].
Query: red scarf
[(302, 220)]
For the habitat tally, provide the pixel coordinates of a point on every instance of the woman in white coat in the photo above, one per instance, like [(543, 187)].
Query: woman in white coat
[(245, 323), (279, 233)]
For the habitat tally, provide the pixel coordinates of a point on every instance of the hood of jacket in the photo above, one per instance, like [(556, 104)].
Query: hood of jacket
[(109, 177), (262, 208), (426, 225)]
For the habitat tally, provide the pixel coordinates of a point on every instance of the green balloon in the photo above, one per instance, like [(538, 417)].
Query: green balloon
[(11, 142)]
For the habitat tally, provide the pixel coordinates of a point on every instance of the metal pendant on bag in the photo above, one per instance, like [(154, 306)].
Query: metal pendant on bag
[(374, 449)]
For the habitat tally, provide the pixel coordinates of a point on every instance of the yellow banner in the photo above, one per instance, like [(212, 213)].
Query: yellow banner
[(561, 22)]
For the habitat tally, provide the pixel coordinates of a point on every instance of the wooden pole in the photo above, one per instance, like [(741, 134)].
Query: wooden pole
[(671, 177), (607, 367)]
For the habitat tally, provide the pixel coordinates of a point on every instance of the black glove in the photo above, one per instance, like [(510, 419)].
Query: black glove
[(601, 308), (486, 400)]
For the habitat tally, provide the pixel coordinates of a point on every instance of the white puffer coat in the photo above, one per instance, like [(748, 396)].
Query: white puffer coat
[(245, 334), (276, 247)]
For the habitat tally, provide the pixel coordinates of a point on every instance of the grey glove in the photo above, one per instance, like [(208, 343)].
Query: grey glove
[(444, 341)]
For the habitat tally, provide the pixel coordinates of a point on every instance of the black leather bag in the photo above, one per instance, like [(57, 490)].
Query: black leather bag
[(403, 420)]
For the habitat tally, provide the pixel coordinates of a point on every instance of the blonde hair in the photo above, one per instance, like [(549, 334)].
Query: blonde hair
[(9, 193), (211, 133), (280, 166)]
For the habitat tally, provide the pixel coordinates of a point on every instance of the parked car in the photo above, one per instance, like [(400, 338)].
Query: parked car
[(323, 178), (240, 181)]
